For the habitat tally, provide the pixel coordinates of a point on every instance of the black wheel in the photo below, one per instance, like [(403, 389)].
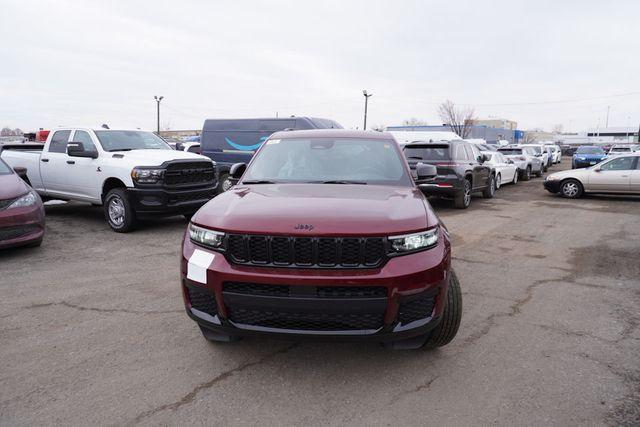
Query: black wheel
[(224, 183), (463, 199), (451, 316), (213, 336), (490, 190), (515, 177), (544, 169), (119, 212), (498, 181), (526, 174), (571, 189)]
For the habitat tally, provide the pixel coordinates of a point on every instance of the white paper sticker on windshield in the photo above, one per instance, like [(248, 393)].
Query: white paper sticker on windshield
[(198, 265), (273, 141)]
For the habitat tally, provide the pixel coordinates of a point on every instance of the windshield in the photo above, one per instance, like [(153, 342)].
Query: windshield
[(589, 150), (421, 152), (511, 151), (125, 140), (4, 168), (325, 160)]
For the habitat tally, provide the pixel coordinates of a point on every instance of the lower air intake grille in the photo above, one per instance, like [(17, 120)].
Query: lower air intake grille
[(10, 233), (306, 321), (203, 300), (416, 309)]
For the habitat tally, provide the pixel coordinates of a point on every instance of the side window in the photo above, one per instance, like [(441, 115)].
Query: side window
[(459, 153), (194, 149), (85, 138), (472, 152), (59, 141), (621, 164)]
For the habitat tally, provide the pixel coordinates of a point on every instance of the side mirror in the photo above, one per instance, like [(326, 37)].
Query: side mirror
[(76, 149), (21, 172), (236, 172), (486, 157), (425, 172)]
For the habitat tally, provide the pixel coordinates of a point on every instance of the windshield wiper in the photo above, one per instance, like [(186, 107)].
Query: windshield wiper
[(414, 157), (259, 181), (340, 181)]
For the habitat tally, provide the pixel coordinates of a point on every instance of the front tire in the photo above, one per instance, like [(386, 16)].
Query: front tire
[(571, 189), (118, 211), (515, 177), (224, 183), (463, 199), (451, 316), (526, 175), (539, 173), (490, 190)]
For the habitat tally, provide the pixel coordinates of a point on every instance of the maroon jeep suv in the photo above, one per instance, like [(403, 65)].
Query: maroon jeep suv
[(324, 235)]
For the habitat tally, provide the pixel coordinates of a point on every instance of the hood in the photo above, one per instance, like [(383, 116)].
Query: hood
[(155, 157), (570, 173), (12, 186), (318, 210)]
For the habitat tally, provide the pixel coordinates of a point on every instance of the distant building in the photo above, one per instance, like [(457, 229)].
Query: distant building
[(497, 123), (614, 134), (489, 134), (180, 133)]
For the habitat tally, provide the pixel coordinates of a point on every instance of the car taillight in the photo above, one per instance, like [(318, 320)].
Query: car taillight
[(522, 158)]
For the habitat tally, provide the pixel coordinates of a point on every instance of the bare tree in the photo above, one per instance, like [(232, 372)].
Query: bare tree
[(459, 120), (413, 121), (529, 138)]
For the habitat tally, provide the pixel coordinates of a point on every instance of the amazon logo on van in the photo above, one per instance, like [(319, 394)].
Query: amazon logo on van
[(241, 147)]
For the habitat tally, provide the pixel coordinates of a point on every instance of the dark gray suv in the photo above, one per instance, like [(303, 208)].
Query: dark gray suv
[(461, 170)]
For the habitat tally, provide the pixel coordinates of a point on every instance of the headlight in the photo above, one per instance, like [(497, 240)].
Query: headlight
[(147, 176), (26, 200), (205, 237), (552, 178), (414, 242)]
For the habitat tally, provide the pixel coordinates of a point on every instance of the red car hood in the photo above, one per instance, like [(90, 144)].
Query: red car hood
[(318, 209), (12, 186)]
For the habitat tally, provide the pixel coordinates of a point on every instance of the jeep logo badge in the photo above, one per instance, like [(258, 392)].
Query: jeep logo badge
[(307, 227)]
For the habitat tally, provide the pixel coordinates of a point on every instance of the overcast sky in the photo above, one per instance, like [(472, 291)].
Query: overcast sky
[(84, 63)]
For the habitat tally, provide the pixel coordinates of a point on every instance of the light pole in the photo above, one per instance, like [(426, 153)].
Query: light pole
[(158, 99), (366, 101)]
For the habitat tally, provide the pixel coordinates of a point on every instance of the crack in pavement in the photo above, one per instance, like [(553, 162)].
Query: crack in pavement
[(190, 397), (424, 386), (97, 309)]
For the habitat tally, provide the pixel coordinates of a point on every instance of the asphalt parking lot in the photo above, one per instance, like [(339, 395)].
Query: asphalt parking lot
[(93, 330)]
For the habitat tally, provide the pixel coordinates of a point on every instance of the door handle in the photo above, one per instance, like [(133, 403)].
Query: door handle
[(44, 160), (71, 162)]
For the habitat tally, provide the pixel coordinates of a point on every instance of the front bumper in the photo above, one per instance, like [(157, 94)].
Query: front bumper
[(159, 201), (580, 163), (409, 304), (22, 226), (552, 186)]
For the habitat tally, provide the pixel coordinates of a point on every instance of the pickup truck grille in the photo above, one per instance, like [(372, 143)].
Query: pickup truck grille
[(189, 173), (301, 252)]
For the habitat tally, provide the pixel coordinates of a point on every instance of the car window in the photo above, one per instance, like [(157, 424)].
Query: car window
[(426, 152), (59, 141), (194, 149), (470, 155), (475, 151), (497, 158), (459, 153), (619, 164), (589, 150), (4, 168), (85, 138), (316, 160), (511, 151)]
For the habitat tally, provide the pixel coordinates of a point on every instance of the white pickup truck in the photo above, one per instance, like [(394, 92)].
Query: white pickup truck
[(133, 174)]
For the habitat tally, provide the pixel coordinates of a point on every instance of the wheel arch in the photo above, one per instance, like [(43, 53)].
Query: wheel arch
[(111, 183)]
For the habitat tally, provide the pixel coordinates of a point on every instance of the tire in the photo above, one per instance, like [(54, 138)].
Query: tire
[(490, 190), (463, 199), (544, 168), (118, 211), (498, 181), (451, 316), (571, 188), (216, 337), (526, 174), (224, 183), (515, 177)]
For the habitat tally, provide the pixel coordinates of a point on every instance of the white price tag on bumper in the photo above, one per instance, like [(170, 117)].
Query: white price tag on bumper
[(198, 265)]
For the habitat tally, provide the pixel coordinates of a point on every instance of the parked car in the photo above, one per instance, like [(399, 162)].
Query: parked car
[(229, 141), (461, 170), (586, 156), (404, 137), (191, 147), (21, 210), (325, 235), (505, 169), (615, 175), (525, 160), (542, 152), (133, 174), (619, 149), (482, 145), (556, 153)]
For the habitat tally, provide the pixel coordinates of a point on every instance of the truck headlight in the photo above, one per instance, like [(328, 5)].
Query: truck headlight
[(414, 242), (147, 175), (28, 199), (210, 238)]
